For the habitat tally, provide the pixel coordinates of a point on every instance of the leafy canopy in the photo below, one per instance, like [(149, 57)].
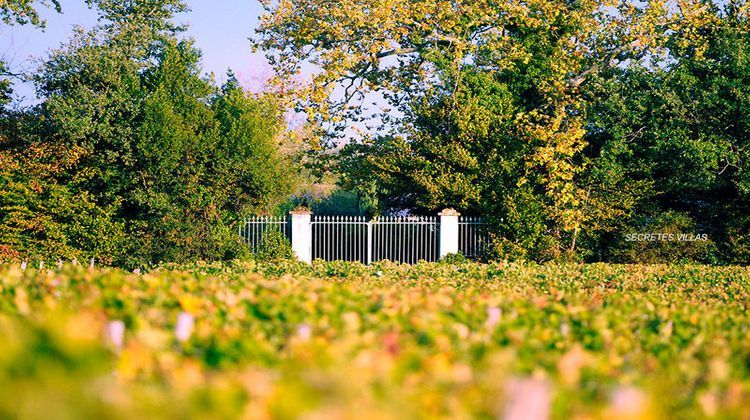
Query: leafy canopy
[(494, 101), (133, 127), (24, 12)]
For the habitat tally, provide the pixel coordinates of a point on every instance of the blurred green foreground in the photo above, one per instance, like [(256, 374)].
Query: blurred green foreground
[(338, 340)]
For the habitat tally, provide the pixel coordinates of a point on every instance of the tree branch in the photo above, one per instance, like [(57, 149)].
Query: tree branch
[(606, 63)]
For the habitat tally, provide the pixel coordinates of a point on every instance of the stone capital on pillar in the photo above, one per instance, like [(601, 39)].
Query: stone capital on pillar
[(449, 212), (302, 233), (448, 240)]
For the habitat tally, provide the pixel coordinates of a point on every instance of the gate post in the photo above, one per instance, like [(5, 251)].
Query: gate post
[(448, 239), (369, 242), (302, 234)]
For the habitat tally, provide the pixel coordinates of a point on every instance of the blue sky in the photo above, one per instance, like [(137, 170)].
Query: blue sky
[(220, 28)]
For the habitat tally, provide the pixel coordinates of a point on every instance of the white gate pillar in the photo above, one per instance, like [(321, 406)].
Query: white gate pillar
[(302, 234), (448, 240)]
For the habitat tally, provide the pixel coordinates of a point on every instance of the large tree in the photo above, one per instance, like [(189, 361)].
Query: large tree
[(493, 98), (681, 129), (134, 128)]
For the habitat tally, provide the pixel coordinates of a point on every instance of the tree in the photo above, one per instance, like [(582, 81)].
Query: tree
[(464, 150), (22, 12), (134, 127), (40, 217), (683, 129), (421, 54), (494, 99), (18, 12)]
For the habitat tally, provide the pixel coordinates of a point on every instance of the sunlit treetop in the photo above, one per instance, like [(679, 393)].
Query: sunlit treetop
[(22, 12), (398, 47)]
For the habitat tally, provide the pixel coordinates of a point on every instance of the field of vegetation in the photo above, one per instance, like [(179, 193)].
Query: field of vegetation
[(339, 340)]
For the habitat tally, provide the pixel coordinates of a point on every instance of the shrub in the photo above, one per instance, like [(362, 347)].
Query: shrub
[(274, 246), (457, 258)]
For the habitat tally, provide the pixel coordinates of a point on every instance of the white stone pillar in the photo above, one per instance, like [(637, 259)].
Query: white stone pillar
[(302, 234), (448, 241)]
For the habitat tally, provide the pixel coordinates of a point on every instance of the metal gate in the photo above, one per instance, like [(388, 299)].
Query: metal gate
[(405, 239), (340, 238)]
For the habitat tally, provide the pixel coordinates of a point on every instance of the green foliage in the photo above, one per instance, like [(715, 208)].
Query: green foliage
[(567, 125), (675, 139), (45, 369), (339, 202), (44, 221), (149, 147), (289, 339), (18, 12), (668, 134), (251, 166), (22, 12), (6, 88), (464, 149), (676, 240), (274, 246), (453, 259)]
